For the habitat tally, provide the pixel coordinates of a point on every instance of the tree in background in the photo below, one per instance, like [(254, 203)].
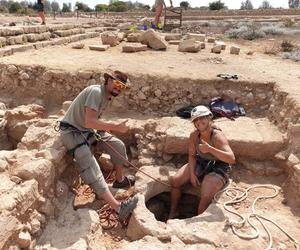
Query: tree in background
[(101, 7), (3, 9), (266, 5), (247, 5), (66, 7), (4, 3), (147, 7), (14, 7), (55, 6), (185, 5), (216, 5), (138, 5), (28, 6), (82, 7), (47, 6), (294, 3), (117, 6)]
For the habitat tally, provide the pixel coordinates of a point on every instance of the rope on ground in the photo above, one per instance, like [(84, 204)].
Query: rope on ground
[(238, 195), (108, 216)]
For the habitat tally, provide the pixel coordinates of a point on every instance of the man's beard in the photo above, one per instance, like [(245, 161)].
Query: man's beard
[(114, 93)]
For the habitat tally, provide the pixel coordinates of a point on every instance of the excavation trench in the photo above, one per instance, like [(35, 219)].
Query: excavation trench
[(265, 144), (160, 206)]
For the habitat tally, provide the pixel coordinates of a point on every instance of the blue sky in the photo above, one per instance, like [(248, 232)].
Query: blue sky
[(232, 4)]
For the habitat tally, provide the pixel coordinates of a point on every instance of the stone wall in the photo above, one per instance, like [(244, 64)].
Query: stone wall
[(149, 95), (30, 191)]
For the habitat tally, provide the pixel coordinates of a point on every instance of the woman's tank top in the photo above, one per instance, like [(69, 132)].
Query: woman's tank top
[(206, 156)]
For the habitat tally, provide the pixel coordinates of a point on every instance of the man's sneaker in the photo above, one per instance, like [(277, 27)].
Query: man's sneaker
[(127, 182), (127, 207)]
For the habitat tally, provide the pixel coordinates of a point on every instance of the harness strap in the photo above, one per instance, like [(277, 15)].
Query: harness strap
[(72, 151), (64, 126)]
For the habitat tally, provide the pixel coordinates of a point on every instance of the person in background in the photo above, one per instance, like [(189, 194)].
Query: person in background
[(41, 12), (159, 6)]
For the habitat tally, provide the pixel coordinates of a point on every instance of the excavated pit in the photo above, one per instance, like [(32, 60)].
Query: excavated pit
[(160, 206), (265, 143)]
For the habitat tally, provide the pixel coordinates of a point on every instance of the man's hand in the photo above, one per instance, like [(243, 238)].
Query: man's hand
[(194, 180), (122, 127), (204, 147)]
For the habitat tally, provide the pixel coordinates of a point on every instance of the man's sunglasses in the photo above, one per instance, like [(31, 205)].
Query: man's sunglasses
[(119, 85)]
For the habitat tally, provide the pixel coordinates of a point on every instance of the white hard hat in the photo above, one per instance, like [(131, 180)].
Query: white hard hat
[(200, 111)]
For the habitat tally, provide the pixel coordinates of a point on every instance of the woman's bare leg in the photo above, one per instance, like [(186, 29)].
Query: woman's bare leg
[(209, 187), (179, 179)]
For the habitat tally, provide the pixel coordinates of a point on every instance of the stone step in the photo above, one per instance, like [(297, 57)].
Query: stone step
[(37, 29), (255, 138), (9, 50), (33, 37), (70, 32), (21, 39)]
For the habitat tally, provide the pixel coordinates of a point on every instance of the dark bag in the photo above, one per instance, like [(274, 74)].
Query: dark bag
[(185, 112), (225, 108)]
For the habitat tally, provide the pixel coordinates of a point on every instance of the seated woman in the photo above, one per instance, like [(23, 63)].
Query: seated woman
[(210, 157)]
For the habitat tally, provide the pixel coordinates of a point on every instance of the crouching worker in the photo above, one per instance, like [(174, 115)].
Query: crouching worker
[(210, 157), (77, 133)]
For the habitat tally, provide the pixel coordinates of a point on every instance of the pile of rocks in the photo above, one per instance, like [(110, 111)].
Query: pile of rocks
[(28, 176), (135, 41), (164, 98), (194, 42), (5, 144), (190, 45), (153, 40), (110, 38)]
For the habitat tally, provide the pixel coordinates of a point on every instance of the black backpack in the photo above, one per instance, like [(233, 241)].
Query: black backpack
[(185, 112)]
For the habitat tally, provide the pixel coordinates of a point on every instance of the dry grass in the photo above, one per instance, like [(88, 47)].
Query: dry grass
[(287, 46), (272, 49)]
